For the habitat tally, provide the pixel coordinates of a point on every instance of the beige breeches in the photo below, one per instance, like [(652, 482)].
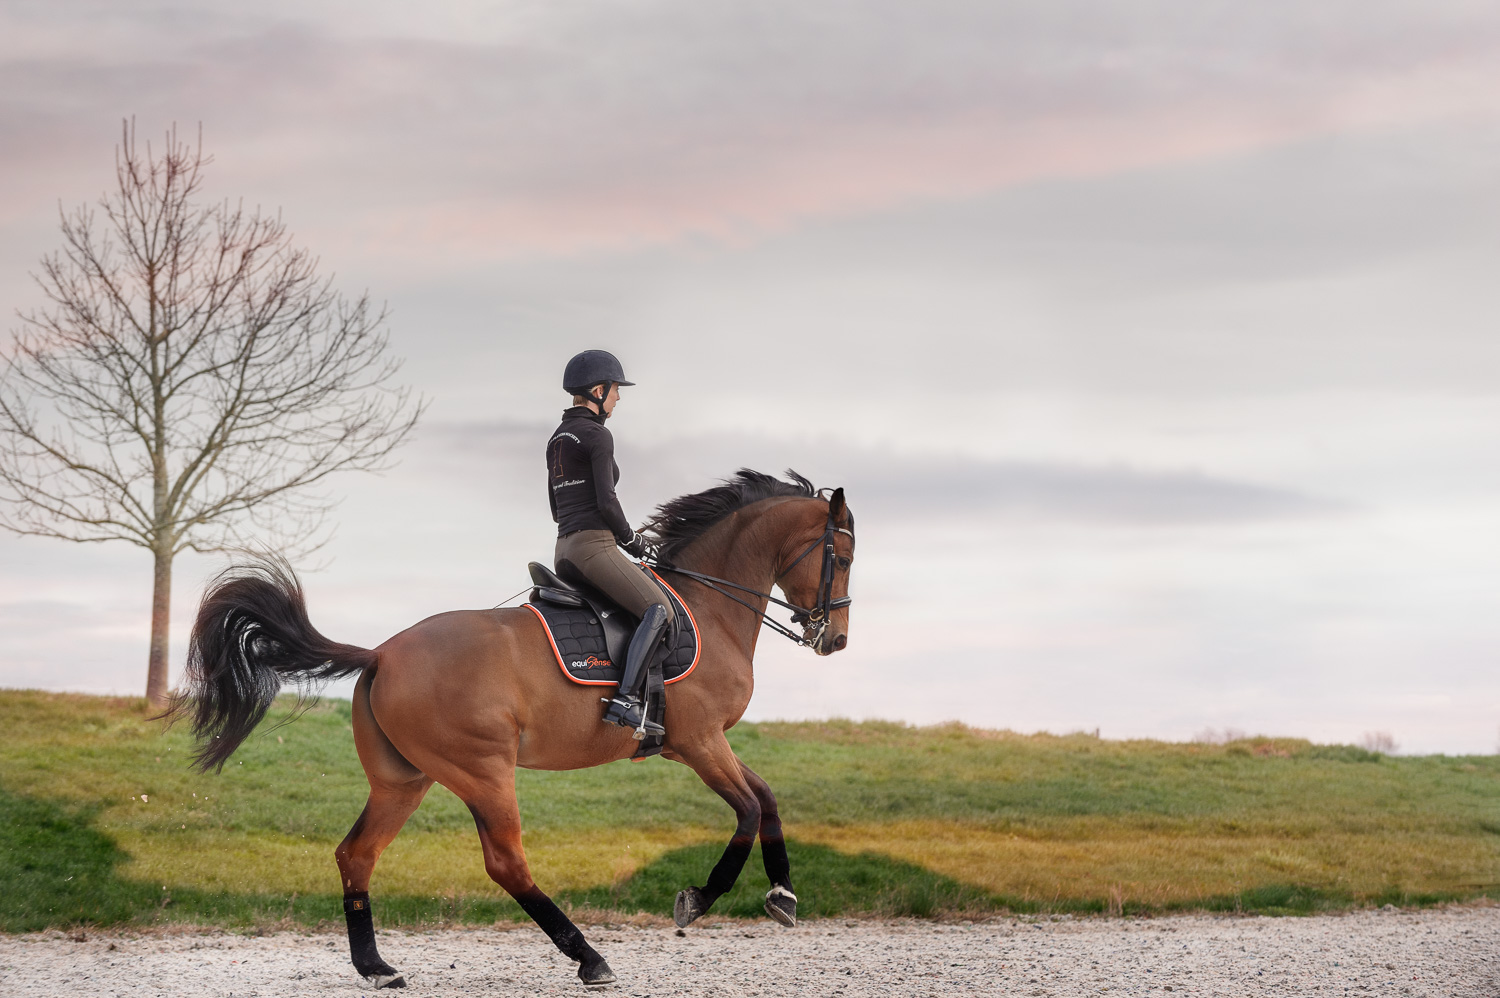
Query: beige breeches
[(594, 555)]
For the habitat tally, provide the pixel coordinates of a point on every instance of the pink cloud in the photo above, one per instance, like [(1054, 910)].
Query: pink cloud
[(602, 135), (875, 165)]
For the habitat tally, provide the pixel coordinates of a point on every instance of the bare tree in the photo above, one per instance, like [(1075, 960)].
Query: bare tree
[(191, 383)]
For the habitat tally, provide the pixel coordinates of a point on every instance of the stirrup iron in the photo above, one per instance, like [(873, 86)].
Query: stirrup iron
[(639, 734), (619, 712)]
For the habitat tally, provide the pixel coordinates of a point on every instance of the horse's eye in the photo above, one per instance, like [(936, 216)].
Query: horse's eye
[(844, 564)]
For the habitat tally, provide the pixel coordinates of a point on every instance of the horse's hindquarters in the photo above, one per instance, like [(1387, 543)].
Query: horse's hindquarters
[(382, 761)]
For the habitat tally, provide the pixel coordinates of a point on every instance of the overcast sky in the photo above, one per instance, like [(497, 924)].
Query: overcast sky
[(1154, 343)]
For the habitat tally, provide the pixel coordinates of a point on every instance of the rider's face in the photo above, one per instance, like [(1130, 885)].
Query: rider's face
[(611, 399)]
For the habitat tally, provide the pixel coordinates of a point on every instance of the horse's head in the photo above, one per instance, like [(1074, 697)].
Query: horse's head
[(815, 575)]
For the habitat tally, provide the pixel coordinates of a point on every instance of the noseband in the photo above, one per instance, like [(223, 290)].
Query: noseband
[(813, 619)]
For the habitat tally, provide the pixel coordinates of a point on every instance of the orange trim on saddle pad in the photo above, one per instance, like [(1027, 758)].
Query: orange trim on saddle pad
[(557, 655), (697, 634), (692, 621)]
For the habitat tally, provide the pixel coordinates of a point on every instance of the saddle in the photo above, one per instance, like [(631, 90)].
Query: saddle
[(589, 633)]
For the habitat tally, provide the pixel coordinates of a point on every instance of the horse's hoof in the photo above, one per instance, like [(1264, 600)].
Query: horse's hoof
[(781, 904), (391, 980), (596, 971), (690, 904)]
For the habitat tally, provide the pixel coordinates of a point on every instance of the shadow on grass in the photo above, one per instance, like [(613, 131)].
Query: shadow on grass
[(827, 882), (58, 870), (830, 884)]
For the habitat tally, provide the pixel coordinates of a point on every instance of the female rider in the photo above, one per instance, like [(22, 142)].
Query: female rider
[(590, 524)]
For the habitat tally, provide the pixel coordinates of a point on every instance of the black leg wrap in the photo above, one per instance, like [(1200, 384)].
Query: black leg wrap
[(559, 928), (361, 922), (727, 870), (781, 902), (778, 867), (565, 936), (693, 902)]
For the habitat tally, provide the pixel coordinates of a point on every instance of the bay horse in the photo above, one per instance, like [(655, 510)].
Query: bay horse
[(464, 697)]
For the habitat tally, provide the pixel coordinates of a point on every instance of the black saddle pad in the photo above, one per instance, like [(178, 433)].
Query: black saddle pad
[(591, 651)]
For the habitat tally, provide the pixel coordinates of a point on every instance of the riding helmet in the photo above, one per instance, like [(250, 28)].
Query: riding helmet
[(590, 368)]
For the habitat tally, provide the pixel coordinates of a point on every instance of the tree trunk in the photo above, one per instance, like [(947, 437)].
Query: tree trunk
[(161, 615)]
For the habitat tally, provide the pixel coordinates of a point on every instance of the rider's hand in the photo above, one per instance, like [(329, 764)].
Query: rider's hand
[(642, 548)]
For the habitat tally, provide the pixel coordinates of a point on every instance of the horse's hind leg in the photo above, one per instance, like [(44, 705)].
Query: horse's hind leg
[(384, 814), (717, 766), (781, 903), (396, 788), (499, 822)]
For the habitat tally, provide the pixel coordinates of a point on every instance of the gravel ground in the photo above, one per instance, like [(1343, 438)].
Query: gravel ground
[(1444, 952)]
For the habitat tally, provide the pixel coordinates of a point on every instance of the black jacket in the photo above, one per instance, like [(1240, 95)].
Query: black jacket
[(581, 476)]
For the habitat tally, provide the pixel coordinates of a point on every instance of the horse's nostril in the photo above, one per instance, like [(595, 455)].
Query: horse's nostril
[(840, 641)]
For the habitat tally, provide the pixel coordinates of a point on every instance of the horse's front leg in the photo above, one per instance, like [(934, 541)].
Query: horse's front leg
[(716, 765), (781, 903)]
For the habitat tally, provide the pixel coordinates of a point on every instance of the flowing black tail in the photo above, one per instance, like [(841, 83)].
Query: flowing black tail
[(252, 634)]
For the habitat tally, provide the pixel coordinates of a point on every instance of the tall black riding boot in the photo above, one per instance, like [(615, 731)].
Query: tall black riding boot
[(626, 709)]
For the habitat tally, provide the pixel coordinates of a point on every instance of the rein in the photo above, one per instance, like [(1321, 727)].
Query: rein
[(814, 619)]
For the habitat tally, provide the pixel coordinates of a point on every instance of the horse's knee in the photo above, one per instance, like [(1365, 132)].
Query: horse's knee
[(763, 796), (749, 814), (769, 814)]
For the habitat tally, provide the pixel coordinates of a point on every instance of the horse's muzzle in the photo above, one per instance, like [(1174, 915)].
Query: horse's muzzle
[(829, 643)]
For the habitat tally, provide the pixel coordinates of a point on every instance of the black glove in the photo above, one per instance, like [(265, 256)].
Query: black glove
[(642, 548)]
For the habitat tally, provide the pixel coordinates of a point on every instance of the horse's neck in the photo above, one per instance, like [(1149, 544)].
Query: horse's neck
[(745, 550)]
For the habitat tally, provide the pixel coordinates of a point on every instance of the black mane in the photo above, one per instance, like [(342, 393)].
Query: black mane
[(678, 522)]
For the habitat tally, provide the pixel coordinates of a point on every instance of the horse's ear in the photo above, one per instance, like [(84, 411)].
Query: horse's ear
[(836, 504)]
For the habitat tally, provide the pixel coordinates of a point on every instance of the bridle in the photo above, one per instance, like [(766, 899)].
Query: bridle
[(813, 619)]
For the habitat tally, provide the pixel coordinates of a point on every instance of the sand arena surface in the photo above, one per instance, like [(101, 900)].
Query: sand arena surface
[(1446, 952)]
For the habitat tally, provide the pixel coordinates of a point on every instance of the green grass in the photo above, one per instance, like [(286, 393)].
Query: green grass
[(102, 822)]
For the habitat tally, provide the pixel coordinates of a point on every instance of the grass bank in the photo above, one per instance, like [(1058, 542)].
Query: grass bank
[(101, 822)]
